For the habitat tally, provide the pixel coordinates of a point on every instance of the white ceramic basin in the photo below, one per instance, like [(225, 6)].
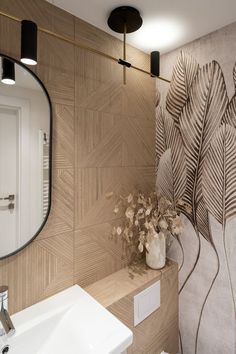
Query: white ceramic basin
[(70, 322)]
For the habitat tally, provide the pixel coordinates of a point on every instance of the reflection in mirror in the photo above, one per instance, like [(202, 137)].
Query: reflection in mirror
[(25, 156)]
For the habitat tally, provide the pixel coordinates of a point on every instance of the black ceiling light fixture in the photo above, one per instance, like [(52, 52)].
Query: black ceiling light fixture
[(29, 32), (8, 72), (155, 63), (127, 19)]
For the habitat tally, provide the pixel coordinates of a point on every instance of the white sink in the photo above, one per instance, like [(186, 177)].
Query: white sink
[(70, 322)]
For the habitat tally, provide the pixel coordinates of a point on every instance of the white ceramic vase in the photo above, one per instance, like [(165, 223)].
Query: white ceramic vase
[(156, 256)]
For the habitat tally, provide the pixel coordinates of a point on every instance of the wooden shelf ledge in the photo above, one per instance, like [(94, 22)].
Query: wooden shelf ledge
[(120, 284), (116, 292)]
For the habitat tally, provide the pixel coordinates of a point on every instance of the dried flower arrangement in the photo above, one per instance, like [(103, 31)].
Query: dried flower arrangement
[(147, 216)]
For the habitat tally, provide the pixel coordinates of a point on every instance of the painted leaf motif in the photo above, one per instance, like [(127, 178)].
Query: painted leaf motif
[(219, 176), (234, 75), (168, 185), (183, 75), (201, 117), (230, 113), (160, 137), (171, 175), (165, 178), (158, 98), (202, 220)]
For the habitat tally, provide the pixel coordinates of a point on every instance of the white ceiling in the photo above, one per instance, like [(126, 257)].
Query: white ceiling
[(167, 24)]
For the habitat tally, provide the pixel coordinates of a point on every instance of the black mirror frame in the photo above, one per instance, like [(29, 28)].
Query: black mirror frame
[(50, 154)]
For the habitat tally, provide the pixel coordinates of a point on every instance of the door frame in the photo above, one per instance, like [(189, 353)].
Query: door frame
[(22, 198), (50, 151)]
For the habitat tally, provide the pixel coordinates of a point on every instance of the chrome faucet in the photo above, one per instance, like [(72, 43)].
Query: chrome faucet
[(7, 325)]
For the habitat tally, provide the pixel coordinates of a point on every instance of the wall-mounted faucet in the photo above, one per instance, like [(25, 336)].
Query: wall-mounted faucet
[(7, 325)]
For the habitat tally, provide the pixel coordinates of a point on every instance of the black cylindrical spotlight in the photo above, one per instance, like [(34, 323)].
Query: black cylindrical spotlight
[(29, 31), (155, 63), (8, 72)]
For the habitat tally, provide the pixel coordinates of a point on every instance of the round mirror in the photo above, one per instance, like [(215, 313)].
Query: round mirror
[(25, 156)]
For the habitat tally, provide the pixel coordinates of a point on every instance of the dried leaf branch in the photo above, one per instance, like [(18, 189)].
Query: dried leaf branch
[(146, 216)]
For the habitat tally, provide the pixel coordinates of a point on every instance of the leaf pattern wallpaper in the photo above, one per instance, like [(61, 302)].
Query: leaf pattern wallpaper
[(196, 162)]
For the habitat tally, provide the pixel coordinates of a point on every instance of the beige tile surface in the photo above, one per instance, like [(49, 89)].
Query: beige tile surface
[(42, 269), (56, 68), (43, 13), (63, 136), (106, 139), (96, 254), (92, 206), (102, 141), (61, 218)]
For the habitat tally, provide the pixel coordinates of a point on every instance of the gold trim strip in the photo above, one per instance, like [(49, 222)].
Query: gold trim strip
[(82, 46)]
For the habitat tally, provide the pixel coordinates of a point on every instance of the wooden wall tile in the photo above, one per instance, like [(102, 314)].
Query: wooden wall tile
[(56, 68), (61, 218), (98, 139), (96, 254), (95, 67), (37, 11), (139, 96), (89, 35), (63, 22), (138, 58), (105, 139), (91, 205), (137, 138), (63, 137), (99, 86), (102, 134), (42, 269), (97, 96), (9, 37), (43, 13)]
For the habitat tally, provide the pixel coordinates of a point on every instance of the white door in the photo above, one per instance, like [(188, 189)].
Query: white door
[(9, 147)]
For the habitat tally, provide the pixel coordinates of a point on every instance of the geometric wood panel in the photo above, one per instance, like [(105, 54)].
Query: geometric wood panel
[(103, 140), (40, 270), (114, 140), (114, 127), (61, 218), (89, 35), (63, 138), (56, 68), (43, 13), (96, 255), (11, 30), (107, 139), (92, 184)]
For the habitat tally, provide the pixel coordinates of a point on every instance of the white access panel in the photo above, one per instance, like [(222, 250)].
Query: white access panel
[(146, 302)]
